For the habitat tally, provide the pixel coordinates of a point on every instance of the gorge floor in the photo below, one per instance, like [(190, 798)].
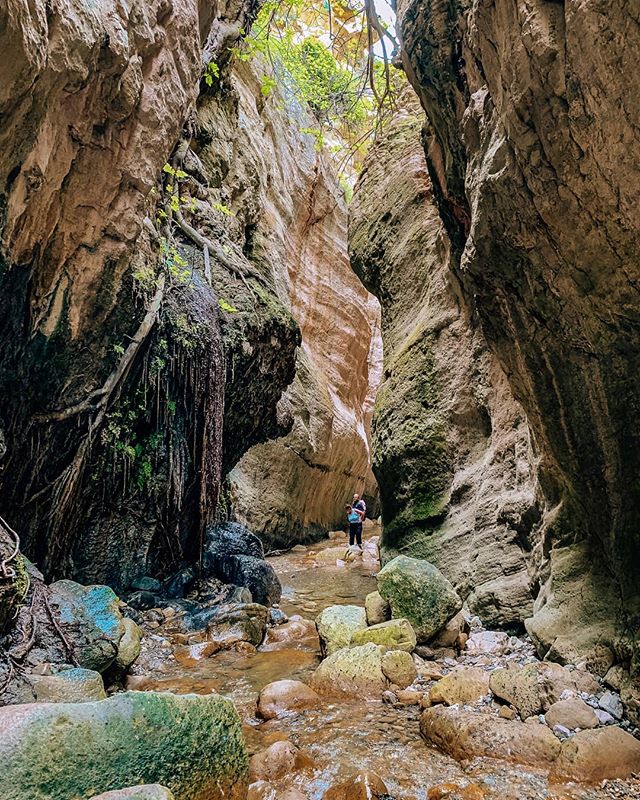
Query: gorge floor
[(342, 738)]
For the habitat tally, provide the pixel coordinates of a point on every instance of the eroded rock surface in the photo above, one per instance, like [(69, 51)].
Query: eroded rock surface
[(533, 149)]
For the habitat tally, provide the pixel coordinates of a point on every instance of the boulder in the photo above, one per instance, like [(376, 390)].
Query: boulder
[(449, 636), (398, 668), (596, 755), (396, 634), (571, 713), (191, 744), (336, 625), (242, 622), (257, 575), (143, 600), (376, 608), (419, 592), (129, 647), (146, 584), (363, 786), (462, 686), (284, 697), (149, 791), (354, 672), (453, 791), (465, 735), (179, 583), (229, 539), (534, 687), (295, 630), (71, 686), (278, 760), (491, 642), (91, 620)]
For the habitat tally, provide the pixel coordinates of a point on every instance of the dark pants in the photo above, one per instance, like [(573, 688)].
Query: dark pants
[(355, 533)]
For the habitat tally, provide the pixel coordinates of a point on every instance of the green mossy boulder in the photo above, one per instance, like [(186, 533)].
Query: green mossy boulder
[(70, 751), (354, 672), (337, 624), (129, 647), (420, 593), (396, 634)]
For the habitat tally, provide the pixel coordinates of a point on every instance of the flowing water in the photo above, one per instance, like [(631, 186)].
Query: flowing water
[(344, 737)]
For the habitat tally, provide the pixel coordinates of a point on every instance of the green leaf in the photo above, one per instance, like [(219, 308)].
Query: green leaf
[(226, 306), (168, 169)]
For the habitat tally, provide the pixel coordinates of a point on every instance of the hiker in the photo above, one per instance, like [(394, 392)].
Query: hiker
[(355, 514)]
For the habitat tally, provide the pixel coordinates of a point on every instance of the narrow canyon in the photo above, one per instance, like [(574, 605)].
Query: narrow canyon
[(319, 346)]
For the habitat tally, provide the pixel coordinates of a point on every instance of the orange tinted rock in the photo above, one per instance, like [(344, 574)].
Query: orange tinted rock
[(278, 760), (363, 786), (282, 697), (598, 754)]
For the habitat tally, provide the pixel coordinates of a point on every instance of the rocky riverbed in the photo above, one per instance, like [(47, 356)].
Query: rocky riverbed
[(469, 714)]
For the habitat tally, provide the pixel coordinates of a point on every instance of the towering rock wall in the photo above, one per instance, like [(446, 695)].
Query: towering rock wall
[(294, 487), (532, 141), (451, 446), (112, 359)]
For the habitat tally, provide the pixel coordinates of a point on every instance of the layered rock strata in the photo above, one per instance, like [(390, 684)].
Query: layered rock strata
[(451, 446), (295, 487)]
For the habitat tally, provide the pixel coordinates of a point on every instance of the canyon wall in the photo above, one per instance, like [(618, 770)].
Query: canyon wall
[(293, 488), (167, 233), (451, 445), (532, 143)]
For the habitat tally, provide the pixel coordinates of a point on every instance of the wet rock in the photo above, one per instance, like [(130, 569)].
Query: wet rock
[(461, 686), (465, 735), (280, 698), (149, 791), (257, 575), (277, 617), (363, 786), (419, 592), (396, 634), (493, 642), (229, 539), (453, 791), (238, 594), (179, 584), (192, 744), (129, 646), (337, 624), (142, 601), (146, 584), (355, 672), (532, 688), (399, 668), (71, 686), (91, 620), (293, 631), (598, 754), (330, 555), (377, 608), (237, 623), (278, 760), (612, 704), (572, 713)]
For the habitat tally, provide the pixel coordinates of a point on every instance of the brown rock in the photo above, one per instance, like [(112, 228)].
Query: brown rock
[(465, 735), (452, 791), (572, 713), (448, 636), (363, 786), (506, 712), (409, 697), (598, 754), (280, 698), (377, 608), (533, 688), (278, 760), (293, 631), (460, 686), (398, 667)]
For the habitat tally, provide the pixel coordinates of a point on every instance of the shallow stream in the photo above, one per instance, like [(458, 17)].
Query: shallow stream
[(345, 738)]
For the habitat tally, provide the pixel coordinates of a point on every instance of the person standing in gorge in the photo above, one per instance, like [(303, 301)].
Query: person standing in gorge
[(355, 514)]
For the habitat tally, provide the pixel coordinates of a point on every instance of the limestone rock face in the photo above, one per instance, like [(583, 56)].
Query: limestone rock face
[(533, 150), (451, 447), (295, 487)]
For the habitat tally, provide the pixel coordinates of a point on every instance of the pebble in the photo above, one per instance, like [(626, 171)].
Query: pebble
[(561, 732), (604, 718), (610, 702)]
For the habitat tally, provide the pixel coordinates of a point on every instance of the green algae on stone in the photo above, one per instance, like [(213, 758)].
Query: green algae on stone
[(70, 686), (395, 634), (420, 593), (336, 625), (71, 751)]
